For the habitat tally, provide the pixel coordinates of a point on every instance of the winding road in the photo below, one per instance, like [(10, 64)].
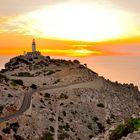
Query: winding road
[(28, 97)]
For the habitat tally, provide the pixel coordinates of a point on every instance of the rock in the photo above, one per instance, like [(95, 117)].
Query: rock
[(90, 106)]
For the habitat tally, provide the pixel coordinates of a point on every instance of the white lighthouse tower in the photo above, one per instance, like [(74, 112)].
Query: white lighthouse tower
[(34, 54), (33, 46)]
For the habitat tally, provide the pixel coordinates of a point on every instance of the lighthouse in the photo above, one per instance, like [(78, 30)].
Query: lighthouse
[(34, 54), (33, 46)]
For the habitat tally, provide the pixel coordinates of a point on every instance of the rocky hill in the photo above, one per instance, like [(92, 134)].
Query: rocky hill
[(55, 99)]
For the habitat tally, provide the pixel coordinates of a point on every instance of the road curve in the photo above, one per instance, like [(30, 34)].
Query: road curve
[(28, 96)]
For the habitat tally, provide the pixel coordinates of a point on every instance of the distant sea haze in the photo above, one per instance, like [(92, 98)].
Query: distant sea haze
[(124, 69)]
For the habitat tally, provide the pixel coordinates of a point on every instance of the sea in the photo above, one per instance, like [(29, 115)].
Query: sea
[(124, 69)]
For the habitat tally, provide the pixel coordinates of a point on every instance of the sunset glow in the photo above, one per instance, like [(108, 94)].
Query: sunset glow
[(82, 52), (73, 28), (75, 21)]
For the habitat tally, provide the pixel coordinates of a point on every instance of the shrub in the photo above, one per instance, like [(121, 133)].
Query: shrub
[(17, 82), (6, 130), (64, 113), (51, 129), (14, 126), (65, 127), (130, 126), (9, 95), (30, 59), (33, 86), (48, 57), (3, 77), (57, 81), (47, 136), (81, 67), (101, 127), (50, 72), (24, 74), (51, 119), (76, 61), (100, 105), (1, 108), (15, 63), (63, 96), (17, 137), (89, 126), (47, 95), (23, 61), (4, 70), (63, 136)]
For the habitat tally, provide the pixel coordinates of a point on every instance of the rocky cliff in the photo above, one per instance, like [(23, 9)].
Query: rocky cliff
[(68, 102)]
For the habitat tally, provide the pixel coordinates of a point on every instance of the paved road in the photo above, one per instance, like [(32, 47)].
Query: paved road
[(28, 97)]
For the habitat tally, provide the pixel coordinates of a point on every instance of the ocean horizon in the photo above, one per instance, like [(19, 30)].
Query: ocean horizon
[(124, 69)]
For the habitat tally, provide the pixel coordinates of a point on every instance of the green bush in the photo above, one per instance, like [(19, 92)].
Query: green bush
[(18, 137), (63, 136), (3, 77), (33, 86), (57, 81), (24, 74), (17, 82), (130, 126), (47, 136), (65, 127), (63, 96), (6, 130), (50, 72), (14, 126), (1, 108), (47, 95), (0, 137), (100, 105), (76, 61)]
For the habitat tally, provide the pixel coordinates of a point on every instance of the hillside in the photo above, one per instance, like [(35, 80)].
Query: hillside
[(64, 100)]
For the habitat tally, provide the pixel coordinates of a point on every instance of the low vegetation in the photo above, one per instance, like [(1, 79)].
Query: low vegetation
[(47, 136), (33, 86), (6, 130), (130, 126), (57, 81), (14, 126), (100, 105), (63, 96), (50, 72), (24, 74), (16, 82), (3, 77), (18, 137), (76, 61), (1, 109)]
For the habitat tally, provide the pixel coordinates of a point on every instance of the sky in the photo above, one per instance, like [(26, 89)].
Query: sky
[(70, 27)]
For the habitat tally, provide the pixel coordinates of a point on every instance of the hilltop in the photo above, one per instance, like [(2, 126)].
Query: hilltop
[(64, 100)]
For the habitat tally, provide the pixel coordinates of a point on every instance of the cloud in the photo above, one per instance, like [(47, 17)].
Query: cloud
[(18, 7), (51, 22), (129, 5)]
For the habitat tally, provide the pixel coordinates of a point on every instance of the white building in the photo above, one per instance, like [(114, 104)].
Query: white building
[(33, 46), (34, 53)]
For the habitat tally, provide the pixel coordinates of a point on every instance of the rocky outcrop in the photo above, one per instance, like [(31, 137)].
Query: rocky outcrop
[(75, 103)]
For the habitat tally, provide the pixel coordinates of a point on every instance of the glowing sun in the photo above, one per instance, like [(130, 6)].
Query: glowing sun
[(74, 21)]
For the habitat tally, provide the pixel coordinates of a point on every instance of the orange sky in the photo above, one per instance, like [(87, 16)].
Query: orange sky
[(103, 28), (11, 44)]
